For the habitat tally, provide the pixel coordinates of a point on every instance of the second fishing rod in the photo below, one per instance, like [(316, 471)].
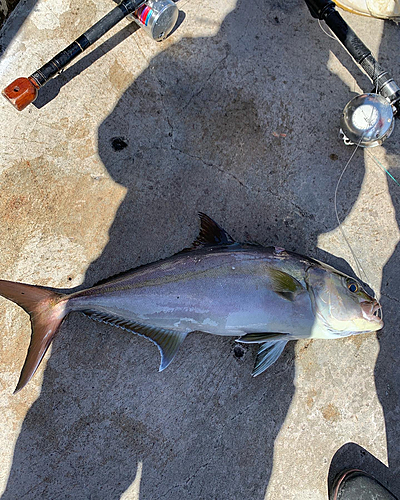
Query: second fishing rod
[(157, 17)]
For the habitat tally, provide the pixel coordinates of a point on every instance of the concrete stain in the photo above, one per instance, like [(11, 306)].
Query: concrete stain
[(305, 345), (84, 148), (14, 205), (52, 202), (80, 129), (81, 18), (118, 76), (331, 413), (310, 398), (357, 340)]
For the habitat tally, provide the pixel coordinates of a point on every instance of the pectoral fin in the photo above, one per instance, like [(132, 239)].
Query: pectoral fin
[(284, 284), (268, 353), (167, 341)]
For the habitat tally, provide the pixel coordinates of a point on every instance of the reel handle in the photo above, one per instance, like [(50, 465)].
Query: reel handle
[(23, 91)]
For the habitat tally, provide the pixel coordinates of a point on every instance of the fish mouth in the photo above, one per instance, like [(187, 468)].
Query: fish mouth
[(372, 311)]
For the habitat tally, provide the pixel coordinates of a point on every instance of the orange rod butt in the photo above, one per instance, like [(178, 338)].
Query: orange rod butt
[(21, 92)]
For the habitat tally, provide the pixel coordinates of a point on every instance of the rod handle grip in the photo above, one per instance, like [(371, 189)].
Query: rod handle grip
[(21, 92)]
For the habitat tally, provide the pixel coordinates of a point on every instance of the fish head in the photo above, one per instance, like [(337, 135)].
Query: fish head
[(341, 304)]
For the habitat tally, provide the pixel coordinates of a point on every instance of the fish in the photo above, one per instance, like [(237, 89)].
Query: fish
[(262, 295)]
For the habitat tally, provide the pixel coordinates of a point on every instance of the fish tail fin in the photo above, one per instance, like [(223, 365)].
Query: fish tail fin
[(47, 309)]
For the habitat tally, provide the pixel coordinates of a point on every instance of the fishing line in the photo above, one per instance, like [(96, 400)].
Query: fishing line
[(358, 264), (326, 32), (360, 269), (336, 39)]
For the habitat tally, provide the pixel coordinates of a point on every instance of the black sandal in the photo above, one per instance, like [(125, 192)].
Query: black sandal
[(355, 484)]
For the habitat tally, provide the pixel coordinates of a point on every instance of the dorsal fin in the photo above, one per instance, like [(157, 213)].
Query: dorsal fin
[(211, 234)]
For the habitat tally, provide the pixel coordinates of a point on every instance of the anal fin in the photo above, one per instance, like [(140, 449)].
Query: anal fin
[(167, 341), (268, 353)]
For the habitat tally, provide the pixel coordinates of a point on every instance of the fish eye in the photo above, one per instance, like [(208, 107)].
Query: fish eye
[(352, 286)]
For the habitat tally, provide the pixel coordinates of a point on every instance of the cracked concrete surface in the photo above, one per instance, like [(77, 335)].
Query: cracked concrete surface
[(236, 115)]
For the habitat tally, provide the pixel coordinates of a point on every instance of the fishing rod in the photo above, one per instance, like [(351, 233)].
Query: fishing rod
[(368, 119), (157, 17)]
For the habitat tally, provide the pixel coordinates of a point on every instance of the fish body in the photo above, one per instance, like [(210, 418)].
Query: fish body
[(260, 294), (219, 291)]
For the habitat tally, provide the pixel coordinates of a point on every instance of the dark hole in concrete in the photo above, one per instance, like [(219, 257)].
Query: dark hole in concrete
[(238, 351), (118, 143)]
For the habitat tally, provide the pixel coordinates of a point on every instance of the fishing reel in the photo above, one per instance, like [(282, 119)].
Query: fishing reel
[(368, 119), (156, 17)]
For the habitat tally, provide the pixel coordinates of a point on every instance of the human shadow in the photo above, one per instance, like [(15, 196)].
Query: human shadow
[(242, 125)]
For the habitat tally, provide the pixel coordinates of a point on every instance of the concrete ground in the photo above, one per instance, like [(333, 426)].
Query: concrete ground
[(236, 115)]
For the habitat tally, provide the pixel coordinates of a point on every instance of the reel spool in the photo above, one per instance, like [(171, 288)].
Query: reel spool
[(157, 18), (367, 120)]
